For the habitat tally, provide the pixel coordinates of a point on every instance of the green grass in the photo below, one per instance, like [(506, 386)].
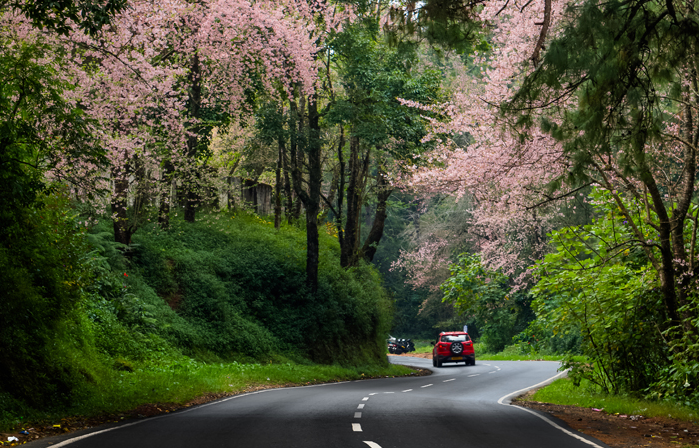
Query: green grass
[(564, 392), (423, 346), (512, 353), (186, 380), (506, 357)]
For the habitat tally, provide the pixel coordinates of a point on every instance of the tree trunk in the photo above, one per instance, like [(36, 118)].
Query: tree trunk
[(165, 195), (376, 232), (295, 208), (350, 234), (340, 187), (122, 229), (679, 215), (315, 177), (287, 186), (194, 100), (278, 187), (359, 169), (301, 147), (310, 198)]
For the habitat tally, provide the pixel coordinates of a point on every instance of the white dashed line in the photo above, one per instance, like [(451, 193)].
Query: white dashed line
[(446, 381), (426, 385), (474, 375), (356, 427), (389, 392), (492, 371), (357, 415), (365, 399), (361, 406), (372, 444), (407, 390), (375, 393), (486, 365)]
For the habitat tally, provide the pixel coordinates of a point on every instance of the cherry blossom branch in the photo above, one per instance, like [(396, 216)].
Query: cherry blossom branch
[(525, 5), (544, 31), (115, 56), (552, 199), (505, 6)]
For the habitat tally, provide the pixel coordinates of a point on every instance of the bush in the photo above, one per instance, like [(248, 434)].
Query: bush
[(239, 287), (43, 276)]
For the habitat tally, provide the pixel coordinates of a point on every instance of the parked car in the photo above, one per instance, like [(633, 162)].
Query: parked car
[(399, 346), (453, 346)]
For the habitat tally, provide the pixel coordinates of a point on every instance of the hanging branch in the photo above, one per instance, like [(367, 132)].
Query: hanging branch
[(544, 31)]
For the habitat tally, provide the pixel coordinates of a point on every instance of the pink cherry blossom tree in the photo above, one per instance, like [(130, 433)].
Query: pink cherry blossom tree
[(501, 171), (148, 77)]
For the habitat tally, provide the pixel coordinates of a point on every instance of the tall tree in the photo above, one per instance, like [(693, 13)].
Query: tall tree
[(382, 130)]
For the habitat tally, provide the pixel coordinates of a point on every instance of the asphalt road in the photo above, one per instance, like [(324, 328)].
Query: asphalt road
[(457, 406)]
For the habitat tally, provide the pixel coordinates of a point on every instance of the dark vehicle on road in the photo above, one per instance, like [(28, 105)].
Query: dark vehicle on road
[(453, 346), (399, 346)]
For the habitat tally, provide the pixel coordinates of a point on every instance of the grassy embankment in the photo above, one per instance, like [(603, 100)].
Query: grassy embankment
[(564, 392), (181, 382), (217, 306)]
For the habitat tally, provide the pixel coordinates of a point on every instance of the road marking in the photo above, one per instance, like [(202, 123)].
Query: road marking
[(356, 427), (361, 406), (572, 434), (375, 393), (486, 364), (365, 399), (407, 390), (474, 375), (357, 415), (446, 381), (427, 385), (372, 444), (389, 392), (494, 371)]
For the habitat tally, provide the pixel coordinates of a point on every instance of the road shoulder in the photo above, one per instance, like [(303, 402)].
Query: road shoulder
[(619, 431)]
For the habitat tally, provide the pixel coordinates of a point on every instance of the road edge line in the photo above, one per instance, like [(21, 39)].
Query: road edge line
[(546, 419), (183, 411)]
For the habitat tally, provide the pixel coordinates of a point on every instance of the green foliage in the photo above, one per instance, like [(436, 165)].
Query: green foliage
[(38, 127), (622, 60), (485, 295), (444, 23), (240, 287), (374, 75), (595, 286), (62, 15), (539, 338), (43, 278)]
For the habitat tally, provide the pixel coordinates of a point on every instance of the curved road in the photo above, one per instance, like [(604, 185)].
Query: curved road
[(457, 406)]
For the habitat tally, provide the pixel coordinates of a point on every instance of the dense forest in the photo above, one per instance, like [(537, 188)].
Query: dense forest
[(291, 181)]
